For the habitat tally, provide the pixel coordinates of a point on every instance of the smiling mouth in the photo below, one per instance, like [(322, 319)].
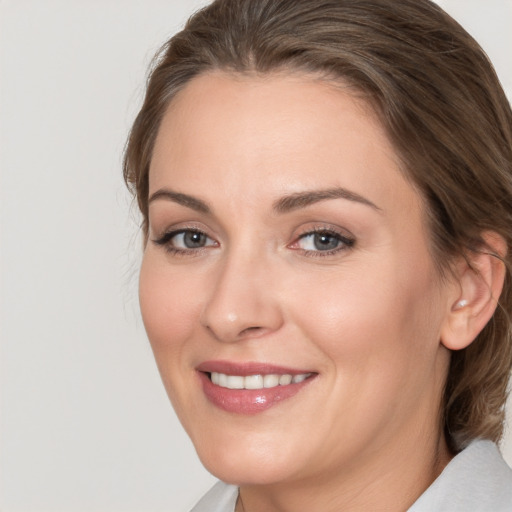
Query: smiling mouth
[(250, 387), (258, 381)]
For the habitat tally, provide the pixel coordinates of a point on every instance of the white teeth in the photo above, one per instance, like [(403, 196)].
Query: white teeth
[(235, 382), (222, 380), (284, 380), (270, 381), (256, 381)]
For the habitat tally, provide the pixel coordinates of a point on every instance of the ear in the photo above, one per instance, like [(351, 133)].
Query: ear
[(480, 277)]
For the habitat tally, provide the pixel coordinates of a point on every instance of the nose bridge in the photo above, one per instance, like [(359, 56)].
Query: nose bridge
[(242, 303)]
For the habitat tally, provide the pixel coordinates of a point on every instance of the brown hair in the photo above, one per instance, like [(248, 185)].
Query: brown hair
[(443, 107)]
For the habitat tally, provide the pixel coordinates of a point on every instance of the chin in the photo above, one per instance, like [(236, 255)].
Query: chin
[(248, 460), (248, 472)]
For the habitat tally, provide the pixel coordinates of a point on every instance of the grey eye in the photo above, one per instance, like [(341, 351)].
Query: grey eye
[(193, 239), (190, 239), (320, 242)]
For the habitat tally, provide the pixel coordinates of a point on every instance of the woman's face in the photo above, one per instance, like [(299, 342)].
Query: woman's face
[(288, 259)]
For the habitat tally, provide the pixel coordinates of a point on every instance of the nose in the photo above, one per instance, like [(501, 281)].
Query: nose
[(242, 303)]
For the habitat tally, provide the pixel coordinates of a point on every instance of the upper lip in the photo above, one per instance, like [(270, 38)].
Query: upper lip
[(248, 368)]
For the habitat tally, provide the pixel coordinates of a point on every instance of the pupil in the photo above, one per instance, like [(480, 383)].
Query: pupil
[(325, 242), (193, 239)]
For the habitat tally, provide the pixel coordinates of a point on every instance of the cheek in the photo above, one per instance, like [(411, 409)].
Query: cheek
[(169, 309), (170, 312), (380, 315), (378, 333)]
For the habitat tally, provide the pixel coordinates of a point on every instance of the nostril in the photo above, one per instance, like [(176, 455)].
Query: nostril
[(250, 329)]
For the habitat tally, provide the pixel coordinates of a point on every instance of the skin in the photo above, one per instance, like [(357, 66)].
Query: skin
[(365, 433)]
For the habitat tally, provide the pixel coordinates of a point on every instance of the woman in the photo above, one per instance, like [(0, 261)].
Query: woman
[(326, 192)]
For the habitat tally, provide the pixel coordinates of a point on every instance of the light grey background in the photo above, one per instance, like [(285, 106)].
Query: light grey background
[(85, 424)]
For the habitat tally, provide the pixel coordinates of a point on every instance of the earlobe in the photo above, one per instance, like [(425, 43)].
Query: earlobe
[(480, 277)]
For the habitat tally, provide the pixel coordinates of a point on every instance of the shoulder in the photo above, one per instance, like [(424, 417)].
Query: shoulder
[(477, 479), (220, 498)]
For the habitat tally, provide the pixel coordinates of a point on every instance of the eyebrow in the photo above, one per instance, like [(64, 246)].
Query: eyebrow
[(183, 199), (303, 199), (284, 204)]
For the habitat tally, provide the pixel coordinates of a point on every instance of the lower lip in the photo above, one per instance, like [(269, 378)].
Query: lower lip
[(248, 401)]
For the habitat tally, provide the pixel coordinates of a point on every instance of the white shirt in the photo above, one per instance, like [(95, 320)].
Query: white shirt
[(476, 480)]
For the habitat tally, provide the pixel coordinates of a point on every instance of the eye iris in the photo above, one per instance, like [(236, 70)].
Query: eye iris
[(193, 239), (325, 241)]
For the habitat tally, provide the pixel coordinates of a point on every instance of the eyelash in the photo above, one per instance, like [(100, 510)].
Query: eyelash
[(346, 242), (165, 241)]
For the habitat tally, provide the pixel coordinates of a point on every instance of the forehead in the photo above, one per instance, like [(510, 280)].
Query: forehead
[(272, 134)]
